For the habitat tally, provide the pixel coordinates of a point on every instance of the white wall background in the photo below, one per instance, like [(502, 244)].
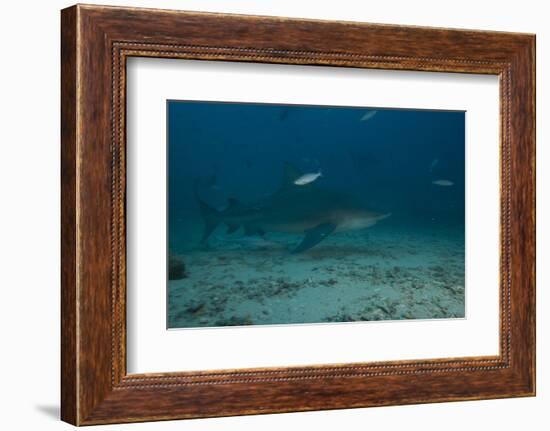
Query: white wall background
[(29, 214)]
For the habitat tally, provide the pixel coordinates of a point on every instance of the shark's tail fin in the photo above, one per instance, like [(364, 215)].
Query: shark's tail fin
[(211, 217)]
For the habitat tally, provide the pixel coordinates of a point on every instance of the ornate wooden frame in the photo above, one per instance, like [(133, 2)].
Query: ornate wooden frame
[(96, 41)]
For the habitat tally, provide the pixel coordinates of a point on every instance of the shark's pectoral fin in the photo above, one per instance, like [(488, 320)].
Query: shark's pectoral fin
[(314, 236)]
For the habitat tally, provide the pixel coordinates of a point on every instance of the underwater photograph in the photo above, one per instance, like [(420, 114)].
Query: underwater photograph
[(308, 214)]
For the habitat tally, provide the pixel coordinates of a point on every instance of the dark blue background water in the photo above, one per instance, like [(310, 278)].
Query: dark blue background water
[(238, 150)]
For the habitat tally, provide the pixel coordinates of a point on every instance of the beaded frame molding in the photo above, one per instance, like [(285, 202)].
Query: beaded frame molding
[(95, 43)]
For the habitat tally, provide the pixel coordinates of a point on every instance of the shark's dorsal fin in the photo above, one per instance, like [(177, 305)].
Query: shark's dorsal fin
[(290, 174)]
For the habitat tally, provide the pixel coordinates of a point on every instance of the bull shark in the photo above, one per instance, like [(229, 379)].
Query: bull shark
[(309, 210)]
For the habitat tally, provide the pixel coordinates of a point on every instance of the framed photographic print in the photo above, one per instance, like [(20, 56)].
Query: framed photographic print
[(296, 188), (266, 215)]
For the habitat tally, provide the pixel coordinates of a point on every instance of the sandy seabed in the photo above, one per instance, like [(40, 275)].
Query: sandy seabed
[(383, 273)]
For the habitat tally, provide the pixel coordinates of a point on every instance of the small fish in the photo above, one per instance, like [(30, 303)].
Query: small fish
[(368, 115), (445, 183), (434, 164), (307, 178)]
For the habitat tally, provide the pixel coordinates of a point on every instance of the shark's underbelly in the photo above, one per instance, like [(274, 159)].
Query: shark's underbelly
[(301, 225), (297, 226)]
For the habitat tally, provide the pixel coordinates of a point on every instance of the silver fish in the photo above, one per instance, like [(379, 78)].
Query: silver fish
[(307, 178), (367, 116), (444, 183)]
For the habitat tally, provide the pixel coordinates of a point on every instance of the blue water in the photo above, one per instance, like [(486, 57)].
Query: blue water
[(407, 163)]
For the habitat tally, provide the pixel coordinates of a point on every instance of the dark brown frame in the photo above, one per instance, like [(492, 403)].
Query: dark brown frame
[(96, 41)]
